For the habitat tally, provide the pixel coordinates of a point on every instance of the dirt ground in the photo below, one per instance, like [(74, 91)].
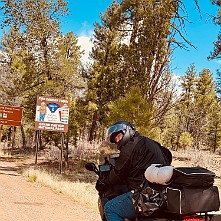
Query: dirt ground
[(24, 201), (21, 200)]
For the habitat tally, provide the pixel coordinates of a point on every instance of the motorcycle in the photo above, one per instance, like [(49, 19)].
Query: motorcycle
[(103, 170)]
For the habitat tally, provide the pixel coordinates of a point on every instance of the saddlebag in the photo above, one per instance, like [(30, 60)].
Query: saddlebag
[(188, 200), (192, 177), (146, 201)]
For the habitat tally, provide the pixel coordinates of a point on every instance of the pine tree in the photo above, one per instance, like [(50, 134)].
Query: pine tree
[(186, 104), (41, 60), (135, 109), (205, 100), (217, 20), (132, 47)]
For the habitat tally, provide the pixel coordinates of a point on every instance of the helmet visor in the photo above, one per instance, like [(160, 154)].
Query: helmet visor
[(115, 129)]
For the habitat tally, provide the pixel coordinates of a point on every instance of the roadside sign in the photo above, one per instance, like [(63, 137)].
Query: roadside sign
[(10, 115), (52, 114)]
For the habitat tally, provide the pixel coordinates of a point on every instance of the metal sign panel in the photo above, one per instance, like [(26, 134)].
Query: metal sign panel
[(10, 115), (52, 114)]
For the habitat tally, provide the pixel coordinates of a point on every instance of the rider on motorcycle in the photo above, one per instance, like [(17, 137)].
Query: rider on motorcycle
[(136, 154)]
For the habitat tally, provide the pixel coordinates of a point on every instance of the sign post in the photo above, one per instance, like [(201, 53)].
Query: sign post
[(37, 136), (52, 114), (62, 150)]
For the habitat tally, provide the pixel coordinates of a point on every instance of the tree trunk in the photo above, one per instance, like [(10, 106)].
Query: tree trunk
[(13, 137), (93, 127), (10, 134), (40, 140), (215, 139), (23, 137)]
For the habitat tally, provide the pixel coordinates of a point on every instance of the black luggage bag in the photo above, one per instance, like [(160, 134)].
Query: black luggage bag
[(188, 200), (192, 191), (192, 177)]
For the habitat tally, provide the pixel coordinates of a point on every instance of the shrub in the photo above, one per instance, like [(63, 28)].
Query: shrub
[(186, 140)]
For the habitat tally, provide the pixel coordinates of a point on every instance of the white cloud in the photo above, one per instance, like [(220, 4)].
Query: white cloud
[(84, 40), (176, 81), (86, 46)]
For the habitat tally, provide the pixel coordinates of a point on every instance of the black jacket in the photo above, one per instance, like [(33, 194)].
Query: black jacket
[(138, 154)]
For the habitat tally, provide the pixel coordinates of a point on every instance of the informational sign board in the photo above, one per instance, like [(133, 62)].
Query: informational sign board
[(52, 114), (10, 115)]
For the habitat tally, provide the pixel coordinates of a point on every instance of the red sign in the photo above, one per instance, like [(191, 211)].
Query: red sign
[(52, 114), (10, 115)]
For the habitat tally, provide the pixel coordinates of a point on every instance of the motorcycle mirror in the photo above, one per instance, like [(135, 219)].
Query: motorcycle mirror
[(91, 167)]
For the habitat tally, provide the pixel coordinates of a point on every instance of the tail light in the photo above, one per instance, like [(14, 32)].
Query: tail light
[(192, 218)]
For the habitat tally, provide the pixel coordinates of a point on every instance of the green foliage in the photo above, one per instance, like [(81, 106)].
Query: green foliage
[(133, 108), (74, 122), (156, 134), (217, 44), (205, 99), (185, 140), (216, 19), (170, 131), (197, 107), (205, 95), (214, 132), (42, 60), (132, 47), (130, 78), (185, 106)]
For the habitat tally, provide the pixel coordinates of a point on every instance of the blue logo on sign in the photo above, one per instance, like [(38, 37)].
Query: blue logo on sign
[(53, 107)]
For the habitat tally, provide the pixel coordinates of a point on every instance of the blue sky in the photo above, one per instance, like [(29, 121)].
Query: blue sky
[(83, 14), (202, 32)]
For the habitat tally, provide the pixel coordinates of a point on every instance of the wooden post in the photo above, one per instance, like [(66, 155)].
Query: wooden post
[(37, 146), (62, 148), (1, 129), (66, 150)]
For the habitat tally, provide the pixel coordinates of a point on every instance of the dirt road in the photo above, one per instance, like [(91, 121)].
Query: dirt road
[(24, 201)]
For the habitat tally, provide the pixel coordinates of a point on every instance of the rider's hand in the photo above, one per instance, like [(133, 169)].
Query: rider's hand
[(101, 186)]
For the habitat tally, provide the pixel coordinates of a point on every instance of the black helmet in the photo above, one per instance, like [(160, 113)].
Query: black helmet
[(127, 129)]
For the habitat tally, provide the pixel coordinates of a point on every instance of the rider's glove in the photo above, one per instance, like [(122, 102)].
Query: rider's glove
[(101, 186)]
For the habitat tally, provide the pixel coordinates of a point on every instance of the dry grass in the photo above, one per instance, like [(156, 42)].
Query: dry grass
[(82, 193), (75, 181), (201, 158)]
